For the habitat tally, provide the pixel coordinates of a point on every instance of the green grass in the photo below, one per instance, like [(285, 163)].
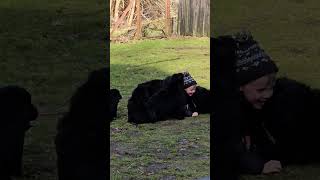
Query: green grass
[(48, 47), (168, 149), (289, 31)]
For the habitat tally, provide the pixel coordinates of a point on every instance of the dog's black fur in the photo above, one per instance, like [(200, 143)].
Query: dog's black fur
[(115, 97), (226, 112), (17, 111), (81, 141), (158, 100), (203, 99), (291, 120)]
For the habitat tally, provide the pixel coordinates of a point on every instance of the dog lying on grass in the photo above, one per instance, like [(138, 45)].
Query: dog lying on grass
[(159, 100)]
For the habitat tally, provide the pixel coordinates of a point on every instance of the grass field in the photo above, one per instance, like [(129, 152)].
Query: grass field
[(49, 47), (289, 31), (170, 149)]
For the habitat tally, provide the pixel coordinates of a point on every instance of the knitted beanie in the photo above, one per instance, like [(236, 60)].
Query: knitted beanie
[(251, 60), (188, 80)]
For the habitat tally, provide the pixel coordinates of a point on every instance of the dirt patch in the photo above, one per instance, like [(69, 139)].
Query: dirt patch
[(121, 150), (155, 168), (118, 130), (162, 153), (168, 178), (134, 133), (204, 178), (188, 148)]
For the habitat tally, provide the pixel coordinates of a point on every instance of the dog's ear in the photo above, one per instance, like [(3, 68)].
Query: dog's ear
[(99, 77), (115, 93), (177, 78)]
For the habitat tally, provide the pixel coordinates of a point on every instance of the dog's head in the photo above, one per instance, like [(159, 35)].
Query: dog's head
[(99, 79), (115, 95)]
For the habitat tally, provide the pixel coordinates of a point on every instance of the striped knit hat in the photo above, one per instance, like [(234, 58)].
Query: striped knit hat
[(188, 80), (251, 60)]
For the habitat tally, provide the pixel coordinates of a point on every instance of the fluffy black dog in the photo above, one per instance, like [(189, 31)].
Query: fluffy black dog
[(81, 141), (17, 112), (203, 99), (226, 133), (115, 97), (290, 118), (158, 100)]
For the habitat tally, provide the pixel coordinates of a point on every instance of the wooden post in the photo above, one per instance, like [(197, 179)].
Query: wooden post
[(168, 18), (139, 24)]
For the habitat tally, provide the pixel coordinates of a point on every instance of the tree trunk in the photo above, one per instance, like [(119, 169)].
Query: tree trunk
[(139, 24), (116, 10), (120, 20), (130, 19), (168, 18)]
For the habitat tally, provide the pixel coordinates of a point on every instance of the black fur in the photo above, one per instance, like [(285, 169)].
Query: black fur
[(159, 100), (291, 119), (81, 141), (16, 112), (203, 99), (115, 97), (226, 112)]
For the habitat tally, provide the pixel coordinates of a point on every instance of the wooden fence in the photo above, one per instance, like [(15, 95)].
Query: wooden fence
[(193, 18)]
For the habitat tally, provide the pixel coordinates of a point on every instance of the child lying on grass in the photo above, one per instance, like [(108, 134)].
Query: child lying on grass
[(177, 96)]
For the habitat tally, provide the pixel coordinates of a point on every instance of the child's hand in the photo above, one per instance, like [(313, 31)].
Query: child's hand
[(195, 114), (272, 166)]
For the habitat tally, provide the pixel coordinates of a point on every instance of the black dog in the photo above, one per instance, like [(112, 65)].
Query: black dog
[(16, 112), (115, 97), (158, 100), (226, 130), (81, 141), (203, 99), (290, 118)]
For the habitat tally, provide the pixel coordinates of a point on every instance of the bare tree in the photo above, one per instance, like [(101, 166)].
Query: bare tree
[(116, 10), (131, 14), (121, 19), (139, 24), (168, 18)]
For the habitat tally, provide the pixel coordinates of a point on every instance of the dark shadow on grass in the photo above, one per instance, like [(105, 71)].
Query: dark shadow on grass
[(157, 62)]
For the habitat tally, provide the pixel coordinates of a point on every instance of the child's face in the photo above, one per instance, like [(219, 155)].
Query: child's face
[(191, 90), (259, 91)]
